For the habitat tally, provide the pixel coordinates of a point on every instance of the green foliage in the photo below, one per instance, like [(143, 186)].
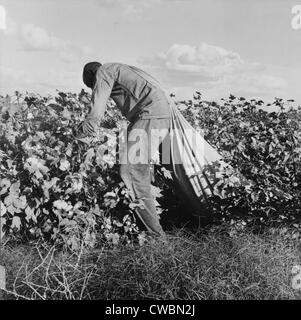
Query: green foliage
[(265, 147), (63, 190), (54, 186)]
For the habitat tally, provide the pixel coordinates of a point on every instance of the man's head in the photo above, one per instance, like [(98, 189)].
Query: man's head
[(89, 73)]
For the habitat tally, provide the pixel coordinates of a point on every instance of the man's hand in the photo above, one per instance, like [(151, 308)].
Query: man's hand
[(88, 133), (83, 136), (86, 139)]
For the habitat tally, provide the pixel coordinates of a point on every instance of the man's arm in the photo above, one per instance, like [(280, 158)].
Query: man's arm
[(100, 96)]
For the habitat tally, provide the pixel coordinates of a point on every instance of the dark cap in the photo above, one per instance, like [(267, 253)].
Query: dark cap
[(89, 73)]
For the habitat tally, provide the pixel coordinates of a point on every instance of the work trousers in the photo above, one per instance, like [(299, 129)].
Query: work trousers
[(144, 138)]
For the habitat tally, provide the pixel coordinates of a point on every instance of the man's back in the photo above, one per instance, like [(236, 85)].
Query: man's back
[(132, 89), (133, 72)]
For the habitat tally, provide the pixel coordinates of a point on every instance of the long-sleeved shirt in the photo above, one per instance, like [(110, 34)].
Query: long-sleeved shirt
[(136, 94)]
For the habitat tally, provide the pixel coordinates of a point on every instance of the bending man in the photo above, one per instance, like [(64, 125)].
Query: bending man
[(141, 100)]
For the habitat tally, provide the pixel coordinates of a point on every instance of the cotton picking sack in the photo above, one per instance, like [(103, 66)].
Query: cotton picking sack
[(196, 165)]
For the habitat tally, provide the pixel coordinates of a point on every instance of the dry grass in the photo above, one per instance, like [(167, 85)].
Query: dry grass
[(209, 265)]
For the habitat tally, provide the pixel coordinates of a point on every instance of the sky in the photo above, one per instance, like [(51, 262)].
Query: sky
[(218, 47)]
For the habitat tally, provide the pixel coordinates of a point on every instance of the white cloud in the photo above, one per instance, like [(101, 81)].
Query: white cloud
[(208, 60), (29, 42), (35, 38), (214, 70)]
